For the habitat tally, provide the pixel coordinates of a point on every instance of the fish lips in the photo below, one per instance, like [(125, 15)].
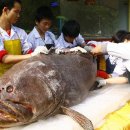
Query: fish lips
[(13, 113)]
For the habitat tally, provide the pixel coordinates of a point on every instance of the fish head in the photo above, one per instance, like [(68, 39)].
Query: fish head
[(29, 91)]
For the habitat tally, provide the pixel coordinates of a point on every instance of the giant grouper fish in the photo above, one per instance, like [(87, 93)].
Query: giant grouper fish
[(45, 85)]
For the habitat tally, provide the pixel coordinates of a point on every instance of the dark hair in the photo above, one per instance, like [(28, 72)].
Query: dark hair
[(119, 36), (127, 36), (43, 12), (71, 28), (8, 3)]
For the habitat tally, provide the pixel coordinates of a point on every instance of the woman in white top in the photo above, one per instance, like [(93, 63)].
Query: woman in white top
[(40, 36)]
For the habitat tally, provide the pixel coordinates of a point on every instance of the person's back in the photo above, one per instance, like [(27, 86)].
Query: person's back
[(122, 65), (112, 61)]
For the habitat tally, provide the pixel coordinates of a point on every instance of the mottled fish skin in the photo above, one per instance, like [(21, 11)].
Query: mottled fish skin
[(37, 87)]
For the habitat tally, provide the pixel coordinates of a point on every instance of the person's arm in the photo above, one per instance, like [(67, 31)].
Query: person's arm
[(120, 50), (15, 58), (114, 80), (117, 80), (60, 42), (83, 44), (80, 40), (6, 58), (53, 38), (26, 43), (100, 49), (92, 44)]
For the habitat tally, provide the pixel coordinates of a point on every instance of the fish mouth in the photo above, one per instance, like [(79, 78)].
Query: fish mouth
[(13, 113), (6, 119)]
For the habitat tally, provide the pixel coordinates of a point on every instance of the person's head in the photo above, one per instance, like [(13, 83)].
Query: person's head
[(43, 18), (119, 36), (10, 10), (71, 30)]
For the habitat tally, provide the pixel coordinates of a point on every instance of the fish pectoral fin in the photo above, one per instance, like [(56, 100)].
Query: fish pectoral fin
[(81, 119)]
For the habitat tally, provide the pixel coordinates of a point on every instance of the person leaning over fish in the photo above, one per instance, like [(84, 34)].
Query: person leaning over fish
[(111, 61), (70, 38), (120, 50), (12, 39), (40, 36)]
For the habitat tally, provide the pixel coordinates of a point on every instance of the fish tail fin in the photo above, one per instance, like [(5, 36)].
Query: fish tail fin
[(81, 119)]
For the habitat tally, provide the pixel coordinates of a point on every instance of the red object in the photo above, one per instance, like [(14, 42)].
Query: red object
[(29, 51), (2, 53), (92, 45), (9, 32), (102, 74)]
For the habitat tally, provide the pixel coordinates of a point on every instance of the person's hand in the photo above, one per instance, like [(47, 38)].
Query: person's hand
[(59, 51), (67, 50), (88, 48), (101, 83), (62, 51), (40, 49), (75, 49), (44, 50)]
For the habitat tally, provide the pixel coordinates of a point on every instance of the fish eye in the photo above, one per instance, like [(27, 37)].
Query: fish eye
[(9, 89)]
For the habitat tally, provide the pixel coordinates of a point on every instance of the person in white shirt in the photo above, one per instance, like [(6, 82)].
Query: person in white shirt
[(15, 33), (122, 65), (107, 63), (118, 37), (40, 35), (12, 39), (70, 36), (120, 50)]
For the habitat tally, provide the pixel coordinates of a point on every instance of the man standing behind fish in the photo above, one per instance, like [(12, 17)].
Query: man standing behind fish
[(12, 39)]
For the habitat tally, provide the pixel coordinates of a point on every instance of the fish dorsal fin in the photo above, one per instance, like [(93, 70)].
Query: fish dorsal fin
[(81, 119)]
